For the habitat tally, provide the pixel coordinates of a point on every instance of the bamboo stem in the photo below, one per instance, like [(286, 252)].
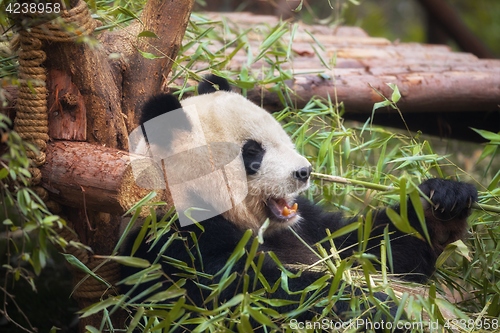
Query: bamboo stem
[(379, 187)]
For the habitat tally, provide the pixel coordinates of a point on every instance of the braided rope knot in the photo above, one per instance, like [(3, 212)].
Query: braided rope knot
[(72, 24)]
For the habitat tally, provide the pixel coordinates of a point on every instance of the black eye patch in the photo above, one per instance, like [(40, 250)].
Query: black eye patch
[(252, 153)]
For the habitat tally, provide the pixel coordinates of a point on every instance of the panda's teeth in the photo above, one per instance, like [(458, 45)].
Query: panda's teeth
[(285, 211), (280, 209)]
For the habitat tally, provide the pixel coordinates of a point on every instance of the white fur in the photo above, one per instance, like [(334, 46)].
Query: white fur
[(229, 117)]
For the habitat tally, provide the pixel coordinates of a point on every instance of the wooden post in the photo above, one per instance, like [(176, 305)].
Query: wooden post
[(96, 178)]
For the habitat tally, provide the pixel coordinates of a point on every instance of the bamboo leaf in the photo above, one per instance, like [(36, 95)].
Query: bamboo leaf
[(244, 325), (270, 40), (396, 95), (342, 231), (299, 7), (78, 264), (401, 224), (97, 307), (419, 211), (147, 33), (128, 261), (403, 204), (92, 329), (135, 321), (494, 182), (172, 292), (260, 317), (290, 43), (148, 55), (387, 240), (494, 137)]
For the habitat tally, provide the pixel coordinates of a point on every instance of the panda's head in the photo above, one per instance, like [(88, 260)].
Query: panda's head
[(223, 153)]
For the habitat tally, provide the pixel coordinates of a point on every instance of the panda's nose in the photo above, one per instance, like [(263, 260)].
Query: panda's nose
[(303, 173)]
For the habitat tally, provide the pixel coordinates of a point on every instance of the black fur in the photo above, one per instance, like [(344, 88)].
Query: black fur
[(158, 105), (450, 197), (252, 153), (413, 259), (212, 83), (155, 108)]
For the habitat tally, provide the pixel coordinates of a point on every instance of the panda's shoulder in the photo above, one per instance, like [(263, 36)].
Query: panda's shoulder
[(215, 236), (315, 219), (211, 236)]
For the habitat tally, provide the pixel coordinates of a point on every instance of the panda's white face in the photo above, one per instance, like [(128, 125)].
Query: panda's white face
[(224, 155), (275, 171)]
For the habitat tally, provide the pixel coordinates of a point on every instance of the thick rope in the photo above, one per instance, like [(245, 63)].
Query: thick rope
[(32, 125), (72, 24), (31, 118)]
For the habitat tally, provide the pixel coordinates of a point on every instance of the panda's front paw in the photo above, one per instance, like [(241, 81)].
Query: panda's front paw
[(446, 214), (450, 199)]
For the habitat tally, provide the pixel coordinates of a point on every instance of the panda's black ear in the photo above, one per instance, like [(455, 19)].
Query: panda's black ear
[(158, 105), (212, 83)]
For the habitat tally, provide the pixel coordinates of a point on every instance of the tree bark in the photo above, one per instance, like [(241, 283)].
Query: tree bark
[(145, 77), (97, 178), (420, 92), (67, 115), (91, 74)]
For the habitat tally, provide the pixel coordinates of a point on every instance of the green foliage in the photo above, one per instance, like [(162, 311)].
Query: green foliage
[(481, 18), (115, 13), (28, 228), (358, 151), (392, 159)]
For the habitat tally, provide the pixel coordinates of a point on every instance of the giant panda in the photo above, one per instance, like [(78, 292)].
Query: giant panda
[(246, 159)]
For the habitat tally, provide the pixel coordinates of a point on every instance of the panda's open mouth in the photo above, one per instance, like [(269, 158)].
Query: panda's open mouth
[(281, 209)]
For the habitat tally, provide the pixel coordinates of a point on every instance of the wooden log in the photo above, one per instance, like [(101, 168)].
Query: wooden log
[(421, 92), (346, 63), (97, 178)]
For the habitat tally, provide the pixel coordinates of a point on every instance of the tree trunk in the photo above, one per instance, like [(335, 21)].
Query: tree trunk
[(145, 77), (67, 115), (93, 98), (92, 77)]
